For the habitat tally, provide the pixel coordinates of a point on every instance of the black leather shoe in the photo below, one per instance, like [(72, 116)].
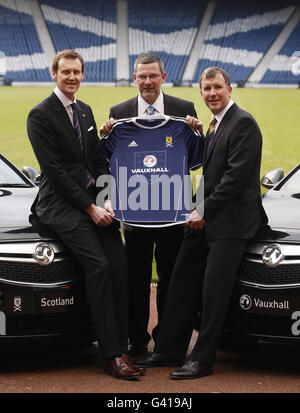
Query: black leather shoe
[(192, 370), (135, 351), (157, 360)]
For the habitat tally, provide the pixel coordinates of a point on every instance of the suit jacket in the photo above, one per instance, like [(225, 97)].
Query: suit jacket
[(232, 197), (62, 194), (172, 106)]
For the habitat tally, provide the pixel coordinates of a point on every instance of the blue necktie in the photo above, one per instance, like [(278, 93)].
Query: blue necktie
[(150, 110), (89, 179)]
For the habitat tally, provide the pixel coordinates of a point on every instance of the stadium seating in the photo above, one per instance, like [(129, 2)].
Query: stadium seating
[(165, 28), (90, 28), (237, 37), (25, 60), (280, 71), (240, 33)]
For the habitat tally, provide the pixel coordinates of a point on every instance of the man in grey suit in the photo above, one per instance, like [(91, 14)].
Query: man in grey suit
[(63, 134), (214, 242), (149, 75)]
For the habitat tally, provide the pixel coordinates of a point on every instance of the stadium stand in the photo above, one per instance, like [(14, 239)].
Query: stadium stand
[(281, 68), (240, 33), (243, 37), (25, 59), (165, 28), (90, 28)]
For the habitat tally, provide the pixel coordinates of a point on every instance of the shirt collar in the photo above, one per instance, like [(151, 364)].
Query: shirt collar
[(158, 104), (221, 114), (63, 98)]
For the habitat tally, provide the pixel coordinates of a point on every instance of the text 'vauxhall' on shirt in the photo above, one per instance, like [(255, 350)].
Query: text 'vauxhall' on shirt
[(150, 159)]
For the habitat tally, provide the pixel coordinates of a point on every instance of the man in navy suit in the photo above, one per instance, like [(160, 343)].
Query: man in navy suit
[(215, 240), (63, 134), (142, 243)]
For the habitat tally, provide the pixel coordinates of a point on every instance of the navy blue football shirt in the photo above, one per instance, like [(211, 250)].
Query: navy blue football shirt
[(150, 159)]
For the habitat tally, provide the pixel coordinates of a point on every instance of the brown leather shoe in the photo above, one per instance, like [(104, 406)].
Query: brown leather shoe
[(131, 363), (118, 368)]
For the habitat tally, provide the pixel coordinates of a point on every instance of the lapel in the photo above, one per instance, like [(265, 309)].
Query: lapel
[(63, 118), (128, 109), (133, 107), (223, 124), (167, 109)]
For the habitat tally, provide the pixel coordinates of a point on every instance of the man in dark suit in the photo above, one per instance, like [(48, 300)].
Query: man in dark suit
[(216, 235), (63, 134), (149, 75)]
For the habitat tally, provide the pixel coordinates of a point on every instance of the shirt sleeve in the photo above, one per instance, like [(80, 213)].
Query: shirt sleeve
[(195, 148), (108, 143)]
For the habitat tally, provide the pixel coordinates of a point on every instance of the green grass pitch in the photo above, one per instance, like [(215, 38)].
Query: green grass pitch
[(276, 111)]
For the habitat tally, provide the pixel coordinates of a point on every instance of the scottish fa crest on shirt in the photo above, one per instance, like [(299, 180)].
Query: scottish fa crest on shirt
[(169, 141)]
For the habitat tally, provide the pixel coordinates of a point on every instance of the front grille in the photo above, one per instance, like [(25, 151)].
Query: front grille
[(266, 326), (256, 273), (47, 324), (59, 271)]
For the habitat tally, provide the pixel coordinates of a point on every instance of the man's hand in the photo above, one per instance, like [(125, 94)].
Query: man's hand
[(194, 123), (108, 207), (195, 221), (106, 127), (99, 215)]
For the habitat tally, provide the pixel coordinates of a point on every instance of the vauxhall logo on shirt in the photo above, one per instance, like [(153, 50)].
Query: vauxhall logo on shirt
[(150, 161), (154, 162)]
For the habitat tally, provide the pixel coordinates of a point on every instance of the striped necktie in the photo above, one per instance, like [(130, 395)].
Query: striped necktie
[(210, 133), (211, 127), (76, 124), (89, 179), (150, 110)]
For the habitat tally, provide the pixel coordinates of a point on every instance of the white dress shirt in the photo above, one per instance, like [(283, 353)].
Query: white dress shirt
[(221, 115), (158, 105), (66, 102)]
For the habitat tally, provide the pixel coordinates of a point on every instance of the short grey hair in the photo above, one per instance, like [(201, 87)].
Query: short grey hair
[(145, 58)]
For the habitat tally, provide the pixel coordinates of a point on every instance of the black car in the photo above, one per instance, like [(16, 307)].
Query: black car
[(266, 300), (42, 294)]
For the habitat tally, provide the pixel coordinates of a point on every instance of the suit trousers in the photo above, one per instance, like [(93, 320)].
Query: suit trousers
[(139, 247), (204, 277), (99, 250)]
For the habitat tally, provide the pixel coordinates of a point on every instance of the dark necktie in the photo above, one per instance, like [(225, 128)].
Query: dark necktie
[(210, 133), (76, 124), (89, 179)]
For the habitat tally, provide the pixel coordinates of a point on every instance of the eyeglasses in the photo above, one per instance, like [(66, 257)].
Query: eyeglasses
[(152, 76)]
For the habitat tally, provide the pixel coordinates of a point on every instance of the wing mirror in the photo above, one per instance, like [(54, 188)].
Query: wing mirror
[(272, 178), (32, 174)]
